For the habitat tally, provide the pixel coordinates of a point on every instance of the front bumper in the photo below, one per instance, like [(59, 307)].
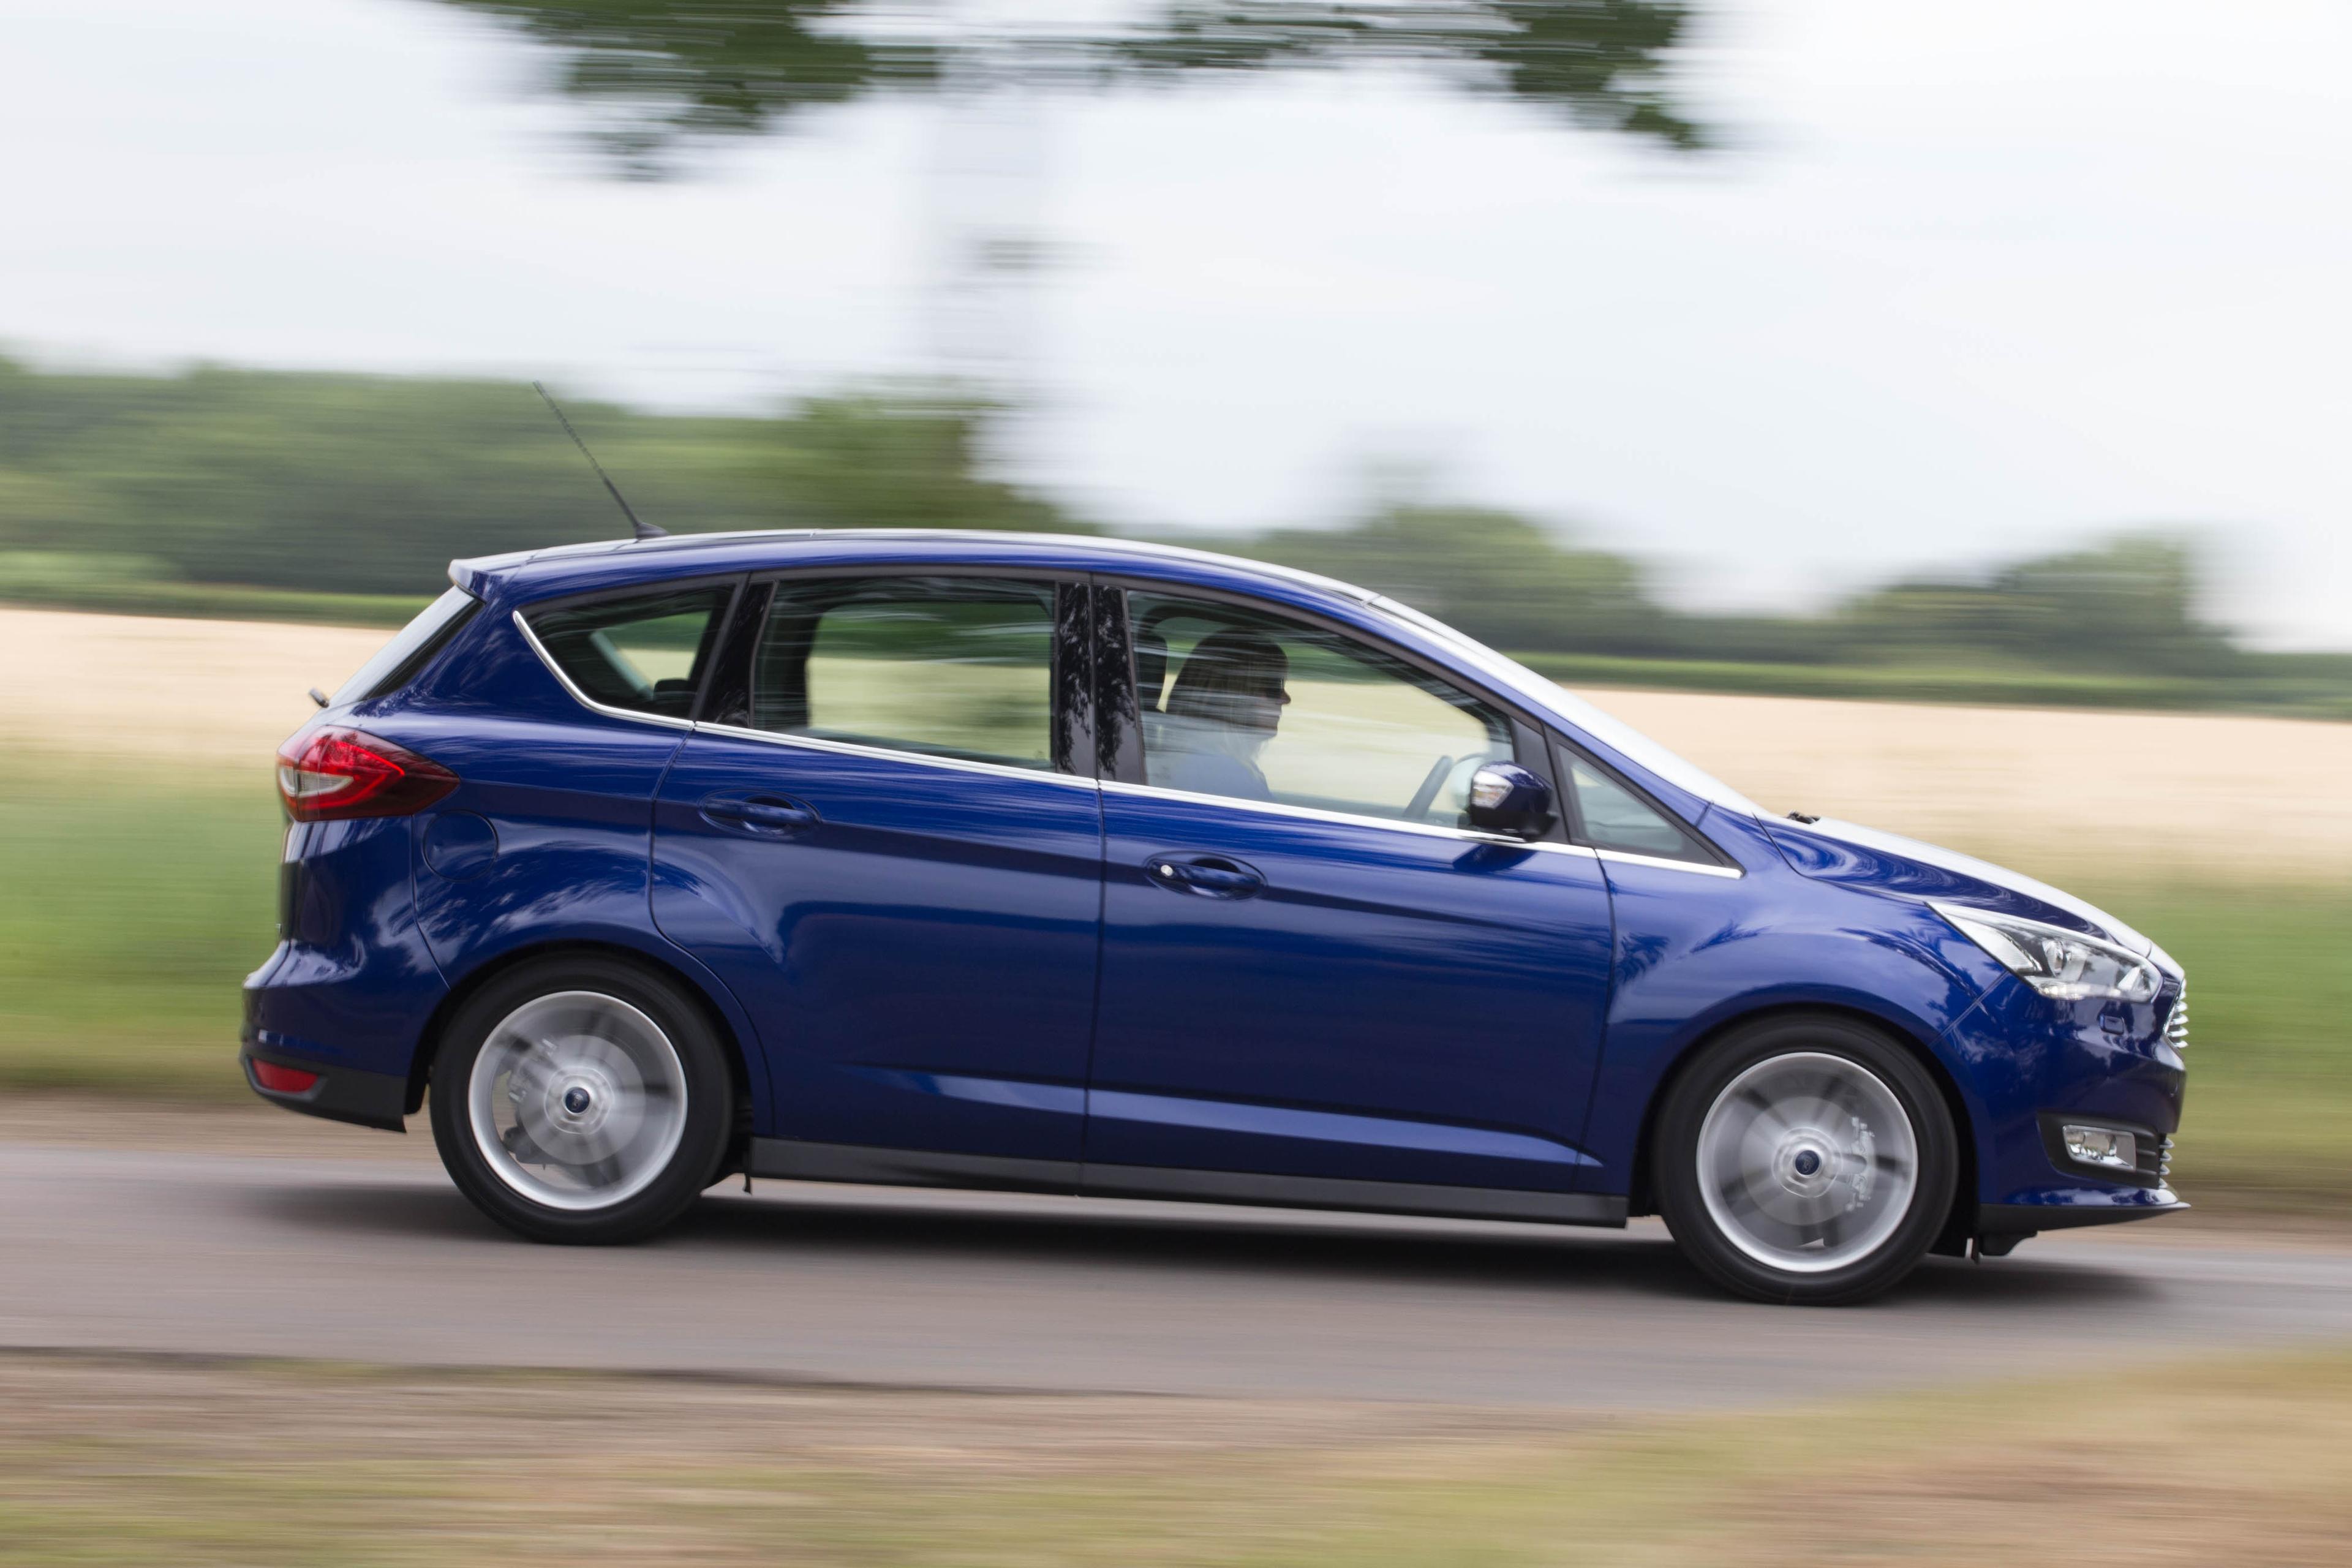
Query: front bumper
[(2032, 1068), (2087, 1208)]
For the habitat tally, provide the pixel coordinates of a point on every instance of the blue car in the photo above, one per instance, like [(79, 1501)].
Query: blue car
[(1091, 867)]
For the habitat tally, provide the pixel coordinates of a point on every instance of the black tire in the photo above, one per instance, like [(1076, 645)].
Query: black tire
[(1743, 1240), (660, 1186)]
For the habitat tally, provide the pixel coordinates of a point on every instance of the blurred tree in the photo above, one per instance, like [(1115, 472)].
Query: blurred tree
[(660, 73), (664, 71), (372, 484), (2130, 604), (1597, 60), (909, 460), (1498, 577)]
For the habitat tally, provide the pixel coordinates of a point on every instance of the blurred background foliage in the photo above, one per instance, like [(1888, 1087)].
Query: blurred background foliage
[(658, 75), (342, 498)]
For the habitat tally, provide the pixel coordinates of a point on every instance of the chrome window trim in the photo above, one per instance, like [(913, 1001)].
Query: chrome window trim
[(1627, 858), (582, 697), (1003, 770), (889, 754), (1347, 818)]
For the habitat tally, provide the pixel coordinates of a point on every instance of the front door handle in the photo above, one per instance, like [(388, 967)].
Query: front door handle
[(1206, 875), (770, 815)]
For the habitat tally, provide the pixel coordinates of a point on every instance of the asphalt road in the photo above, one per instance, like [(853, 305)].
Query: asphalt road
[(381, 1262)]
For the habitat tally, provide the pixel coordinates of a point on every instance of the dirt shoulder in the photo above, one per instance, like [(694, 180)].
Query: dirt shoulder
[(109, 1459)]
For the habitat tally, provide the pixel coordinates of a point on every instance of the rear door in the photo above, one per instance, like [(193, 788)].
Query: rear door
[(886, 838)]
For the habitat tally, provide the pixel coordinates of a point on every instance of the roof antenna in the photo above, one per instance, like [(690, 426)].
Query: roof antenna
[(638, 527)]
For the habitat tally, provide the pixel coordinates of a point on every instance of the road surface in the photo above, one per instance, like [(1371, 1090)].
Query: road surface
[(380, 1260)]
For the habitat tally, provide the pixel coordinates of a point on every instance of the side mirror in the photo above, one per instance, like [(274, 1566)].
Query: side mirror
[(1506, 798)]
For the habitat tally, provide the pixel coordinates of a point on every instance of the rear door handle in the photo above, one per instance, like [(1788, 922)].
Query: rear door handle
[(1206, 875), (770, 815)]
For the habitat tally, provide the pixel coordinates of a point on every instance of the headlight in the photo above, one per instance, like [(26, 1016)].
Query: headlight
[(2058, 963)]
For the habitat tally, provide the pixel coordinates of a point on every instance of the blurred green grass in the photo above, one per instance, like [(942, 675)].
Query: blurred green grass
[(139, 897), (131, 584)]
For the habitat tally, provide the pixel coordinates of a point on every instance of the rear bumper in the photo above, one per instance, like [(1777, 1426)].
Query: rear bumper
[(342, 1094)]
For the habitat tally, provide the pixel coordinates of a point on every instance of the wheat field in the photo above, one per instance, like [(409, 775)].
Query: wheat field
[(2203, 796)]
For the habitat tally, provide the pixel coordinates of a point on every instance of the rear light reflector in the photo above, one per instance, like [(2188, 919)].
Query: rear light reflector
[(283, 1080), (331, 773)]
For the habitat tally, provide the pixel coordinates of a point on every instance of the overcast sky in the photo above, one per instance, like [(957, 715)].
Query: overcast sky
[(1971, 281)]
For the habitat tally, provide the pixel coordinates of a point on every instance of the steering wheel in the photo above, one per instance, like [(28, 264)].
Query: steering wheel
[(1419, 807)]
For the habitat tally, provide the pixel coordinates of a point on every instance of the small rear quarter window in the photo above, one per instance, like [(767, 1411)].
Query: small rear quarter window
[(646, 653)]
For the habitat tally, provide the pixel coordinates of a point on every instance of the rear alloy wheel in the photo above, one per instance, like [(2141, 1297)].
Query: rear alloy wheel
[(1805, 1160), (580, 1101)]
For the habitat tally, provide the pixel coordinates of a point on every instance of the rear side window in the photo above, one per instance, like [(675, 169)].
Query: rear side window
[(397, 662), (947, 667), (646, 653)]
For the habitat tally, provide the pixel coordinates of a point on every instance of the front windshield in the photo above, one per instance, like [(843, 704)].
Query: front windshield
[(1607, 729)]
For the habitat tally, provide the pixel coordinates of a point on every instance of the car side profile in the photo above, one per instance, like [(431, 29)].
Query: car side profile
[(1092, 866)]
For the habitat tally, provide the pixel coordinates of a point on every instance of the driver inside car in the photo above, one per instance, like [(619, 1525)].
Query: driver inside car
[(1226, 705)]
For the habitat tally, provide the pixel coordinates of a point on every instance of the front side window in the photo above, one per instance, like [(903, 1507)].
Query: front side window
[(646, 653), (947, 667), (1250, 705)]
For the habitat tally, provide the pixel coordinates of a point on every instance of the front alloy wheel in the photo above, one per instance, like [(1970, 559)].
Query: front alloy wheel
[(1805, 1160), (582, 1101)]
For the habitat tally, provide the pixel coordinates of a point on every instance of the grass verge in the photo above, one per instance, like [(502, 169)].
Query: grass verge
[(2244, 1461), (131, 917), (135, 914)]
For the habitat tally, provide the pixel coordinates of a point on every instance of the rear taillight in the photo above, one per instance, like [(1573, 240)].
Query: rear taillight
[(333, 773)]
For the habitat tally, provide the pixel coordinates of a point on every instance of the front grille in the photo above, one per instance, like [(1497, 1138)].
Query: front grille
[(2176, 1028), (2163, 1161)]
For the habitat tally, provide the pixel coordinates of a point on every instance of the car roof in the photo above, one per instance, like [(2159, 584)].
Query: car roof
[(527, 575)]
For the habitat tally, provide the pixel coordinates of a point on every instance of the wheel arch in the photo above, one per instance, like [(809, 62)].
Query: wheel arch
[(717, 1014), (1959, 1222)]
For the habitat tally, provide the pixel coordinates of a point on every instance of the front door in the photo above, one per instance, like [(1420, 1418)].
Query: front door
[(889, 845), (1310, 969)]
